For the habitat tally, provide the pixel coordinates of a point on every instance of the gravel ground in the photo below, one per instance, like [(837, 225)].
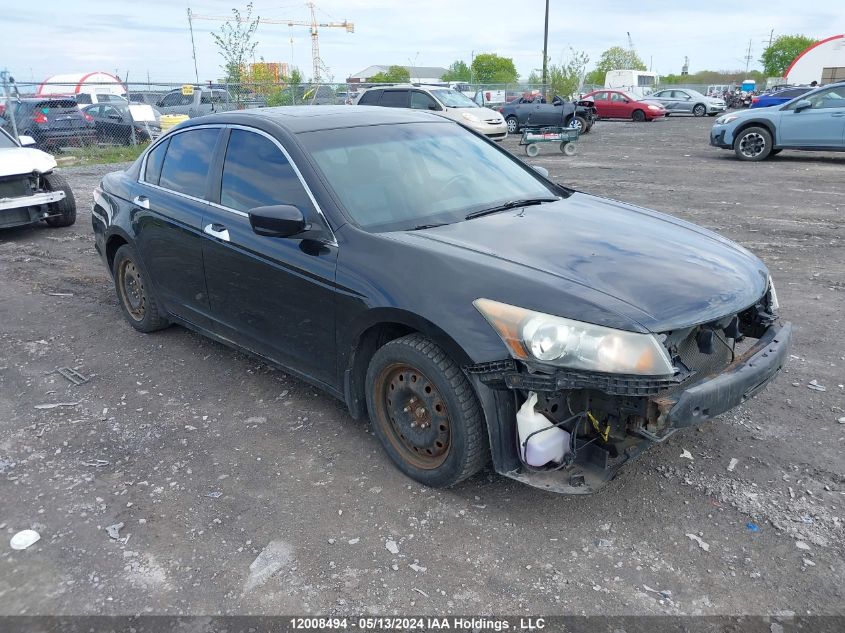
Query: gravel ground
[(242, 490)]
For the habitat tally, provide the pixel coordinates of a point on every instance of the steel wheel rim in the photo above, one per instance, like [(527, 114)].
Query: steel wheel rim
[(511, 125), (576, 124), (699, 110), (132, 292), (752, 145), (413, 415)]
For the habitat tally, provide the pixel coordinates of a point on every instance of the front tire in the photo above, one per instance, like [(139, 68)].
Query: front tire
[(753, 143), (64, 211), (638, 116), (135, 294), (699, 110), (513, 124), (425, 412)]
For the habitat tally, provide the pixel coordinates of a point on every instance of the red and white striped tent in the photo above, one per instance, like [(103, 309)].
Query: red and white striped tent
[(88, 83)]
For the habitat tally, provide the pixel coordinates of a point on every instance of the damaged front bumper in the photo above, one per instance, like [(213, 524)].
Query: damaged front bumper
[(29, 209), (635, 411)]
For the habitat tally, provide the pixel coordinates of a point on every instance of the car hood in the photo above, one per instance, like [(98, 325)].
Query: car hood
[(665, 273), (481, 113), (24, 160)]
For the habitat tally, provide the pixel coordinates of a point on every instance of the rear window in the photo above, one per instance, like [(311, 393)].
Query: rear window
[(394, 99), (57, 104), (370, 97), (187, 162)]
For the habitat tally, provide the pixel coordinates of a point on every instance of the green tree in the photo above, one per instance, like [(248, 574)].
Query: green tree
[(236, 44), (393, 75), (458, 71), (777, 57), (489, 68), (534, 78), (615, 58), (564, 80)]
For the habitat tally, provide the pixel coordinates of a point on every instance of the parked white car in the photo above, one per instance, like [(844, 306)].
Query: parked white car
[(30, 191), (440, 100)]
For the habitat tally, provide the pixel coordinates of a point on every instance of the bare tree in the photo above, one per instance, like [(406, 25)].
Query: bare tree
[(235, 43)]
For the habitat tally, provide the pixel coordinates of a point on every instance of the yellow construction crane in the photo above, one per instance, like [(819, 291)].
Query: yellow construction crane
[(312, 24)]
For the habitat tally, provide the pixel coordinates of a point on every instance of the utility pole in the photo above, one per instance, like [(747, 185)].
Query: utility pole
[(771, 37), (748, 57), (545, 48), (193, 45)]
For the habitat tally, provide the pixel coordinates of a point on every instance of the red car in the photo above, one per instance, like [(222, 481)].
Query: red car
[(615, 104)]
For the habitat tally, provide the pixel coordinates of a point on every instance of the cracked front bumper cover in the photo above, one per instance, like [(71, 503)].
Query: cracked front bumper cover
[(741, 380)]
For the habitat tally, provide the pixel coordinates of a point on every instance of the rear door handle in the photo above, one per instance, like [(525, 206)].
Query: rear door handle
[(141, 201), (217, 230)]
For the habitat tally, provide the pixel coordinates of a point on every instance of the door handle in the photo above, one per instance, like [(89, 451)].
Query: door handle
[(141, 201), (217, 230)]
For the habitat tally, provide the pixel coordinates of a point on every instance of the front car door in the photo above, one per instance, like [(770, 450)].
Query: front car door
[(820, 125), (271, 295), (620, 107), (682, 102), (170, 200), (422, 101)]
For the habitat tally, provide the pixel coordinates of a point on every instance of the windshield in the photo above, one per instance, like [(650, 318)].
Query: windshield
[(6, 141), (397, 177), (453, 98)]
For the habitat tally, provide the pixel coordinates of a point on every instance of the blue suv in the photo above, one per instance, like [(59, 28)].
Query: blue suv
[(812, 121)]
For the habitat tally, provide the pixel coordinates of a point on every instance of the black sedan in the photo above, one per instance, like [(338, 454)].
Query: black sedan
[(115, 123), (437, 284), (536, 112)]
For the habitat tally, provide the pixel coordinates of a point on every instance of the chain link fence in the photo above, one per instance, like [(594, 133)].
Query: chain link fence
[(55, 116)]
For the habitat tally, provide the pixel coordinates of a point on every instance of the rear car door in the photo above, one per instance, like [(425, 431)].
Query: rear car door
[(820, 125), (602, 103), (170, 200), (274, 296)]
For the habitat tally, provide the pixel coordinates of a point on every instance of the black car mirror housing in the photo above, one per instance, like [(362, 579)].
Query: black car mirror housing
[(281, 220)]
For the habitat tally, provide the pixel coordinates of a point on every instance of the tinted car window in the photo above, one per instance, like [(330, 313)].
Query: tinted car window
[(370, 97), (257, 174), (155, 159), (394, 99), (186, 163), (421, 101)]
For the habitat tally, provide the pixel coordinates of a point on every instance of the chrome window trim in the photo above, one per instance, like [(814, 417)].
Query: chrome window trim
[(245, 128)]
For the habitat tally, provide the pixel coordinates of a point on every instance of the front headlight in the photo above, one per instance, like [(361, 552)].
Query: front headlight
[(727, 118), (469, 116), (653, 107), (774, 305), (573, 344)]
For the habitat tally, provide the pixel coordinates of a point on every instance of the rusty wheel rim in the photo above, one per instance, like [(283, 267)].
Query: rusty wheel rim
[(132, 292), (413, 415)]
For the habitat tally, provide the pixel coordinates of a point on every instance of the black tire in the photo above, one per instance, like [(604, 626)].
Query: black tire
[(135, 294), (638, 116), (753, 144), (439, 439), (64, 211), (699, 109), (579, 122), (513, 124)]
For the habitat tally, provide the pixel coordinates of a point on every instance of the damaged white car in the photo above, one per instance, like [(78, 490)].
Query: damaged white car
[(30, 191)]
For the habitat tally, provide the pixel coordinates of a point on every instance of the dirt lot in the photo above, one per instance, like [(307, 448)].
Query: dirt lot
[(242, 490)]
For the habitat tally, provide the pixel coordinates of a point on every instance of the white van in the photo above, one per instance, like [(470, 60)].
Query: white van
[(639, 83)]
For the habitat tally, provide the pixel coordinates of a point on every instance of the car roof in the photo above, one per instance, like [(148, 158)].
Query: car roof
[(297, 119)]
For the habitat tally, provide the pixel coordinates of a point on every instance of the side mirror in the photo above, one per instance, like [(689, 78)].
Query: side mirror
[(26, 141), (803, 104), (281, 220), (541, 170)]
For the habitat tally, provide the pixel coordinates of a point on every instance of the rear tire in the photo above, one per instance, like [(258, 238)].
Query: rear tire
[(753, 144), (638, 116), (513, 124), (65, 209), (425, 412), (135, 294)]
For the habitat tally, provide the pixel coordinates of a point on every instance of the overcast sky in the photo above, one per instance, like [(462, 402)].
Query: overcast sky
[(152, 36)]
